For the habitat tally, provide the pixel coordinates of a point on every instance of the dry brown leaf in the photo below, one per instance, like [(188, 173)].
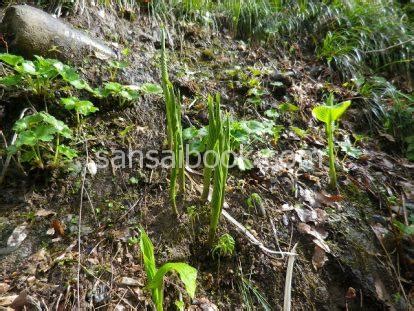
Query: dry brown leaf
[(58, 226), (44, 213), (306, 215), (4, 287), (319, 257), (7, 300), (318, 233), (327, 199), (350, 293)]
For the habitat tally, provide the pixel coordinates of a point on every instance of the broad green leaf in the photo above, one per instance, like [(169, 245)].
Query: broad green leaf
[(147, 250), (27, 67), (288, 107), (27, 138), (339, 109), (187, 274), (151, 88), (11, 80), (11, 59), (322, 113), (328, 114), (243, 163), (67, 152), (44, 132), (271, 113), (27, 156)]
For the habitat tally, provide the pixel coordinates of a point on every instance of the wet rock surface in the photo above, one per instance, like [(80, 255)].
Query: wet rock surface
[(30, 31)]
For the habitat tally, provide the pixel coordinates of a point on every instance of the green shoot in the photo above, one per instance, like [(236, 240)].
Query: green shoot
[(222, 150), (214, 128), (254, 201), (186, 273), (224, 246), (174, 129), (328, 114)]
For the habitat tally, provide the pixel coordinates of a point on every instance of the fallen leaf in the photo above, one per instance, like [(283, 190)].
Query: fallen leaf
[(59, 229), (127, 281), (350, 293), (318, 233), (20, 300), (44, 213), (92, 168), (18, 235), (287, 207), (306, 215), (307, 195), (7, 300), (4, 287), (327, 199), (319, 257)]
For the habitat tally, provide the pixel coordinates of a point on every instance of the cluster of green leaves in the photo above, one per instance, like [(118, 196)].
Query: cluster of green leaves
[(249, 81), (81, 107), (329, 114), (155, 276), (126, 93), (174, 129), (396, 117), (39, 140), (242, 133), (41, 75)]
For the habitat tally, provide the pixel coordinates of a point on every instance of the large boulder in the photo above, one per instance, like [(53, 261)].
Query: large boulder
[(30, 31)]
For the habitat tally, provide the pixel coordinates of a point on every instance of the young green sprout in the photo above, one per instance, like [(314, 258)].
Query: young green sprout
[(328, 114), (222, 152), (174, 129), (214, 127), (81, 107), (155, 283), (224, 246)]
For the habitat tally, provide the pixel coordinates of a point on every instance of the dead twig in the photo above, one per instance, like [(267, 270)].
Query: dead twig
[(287, 301)]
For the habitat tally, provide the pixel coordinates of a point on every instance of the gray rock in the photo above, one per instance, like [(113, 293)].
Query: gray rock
[(30, 31)]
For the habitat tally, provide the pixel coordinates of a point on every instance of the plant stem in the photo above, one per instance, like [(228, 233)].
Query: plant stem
[(57, 151), (332, 171)]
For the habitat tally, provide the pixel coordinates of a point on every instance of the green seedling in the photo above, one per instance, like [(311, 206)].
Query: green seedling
[(214, 128), (225, 246), (39, 140), (81, 107), (174, 129), (155, 277), (329, 114), (122, 93), (222, 150), (254, 201), (114, 67)]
